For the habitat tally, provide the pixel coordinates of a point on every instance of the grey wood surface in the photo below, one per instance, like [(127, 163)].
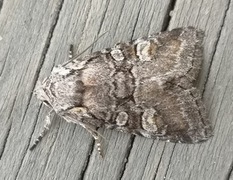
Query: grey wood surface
[(35, 36)]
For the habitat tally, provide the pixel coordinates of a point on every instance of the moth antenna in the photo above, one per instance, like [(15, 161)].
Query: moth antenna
[(45, 129), (71, 57), (99, 134), (71, 52), (96, 136), (90, 45), (99, 147)]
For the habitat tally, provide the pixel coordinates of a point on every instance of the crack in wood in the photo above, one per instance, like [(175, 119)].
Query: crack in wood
[(229, 174), (149, 156), (86, 164), (160, 160), (5, 141), (127, 154), (9, 128), (5, 59), (1, 4), (136, 21), (169, 163), (167, 17)]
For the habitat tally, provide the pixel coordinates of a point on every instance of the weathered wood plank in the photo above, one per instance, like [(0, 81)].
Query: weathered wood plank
[(25, 29), (219, 96), (67, 151)]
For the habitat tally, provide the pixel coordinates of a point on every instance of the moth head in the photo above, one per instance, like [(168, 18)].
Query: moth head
[(41, 94)]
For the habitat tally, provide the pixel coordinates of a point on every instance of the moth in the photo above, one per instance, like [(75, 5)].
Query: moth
[(144, 87)]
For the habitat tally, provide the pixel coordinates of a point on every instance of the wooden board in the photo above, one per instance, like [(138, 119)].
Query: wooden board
[(35, 36)]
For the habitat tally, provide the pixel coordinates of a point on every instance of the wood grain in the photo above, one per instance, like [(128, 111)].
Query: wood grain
[(36, 36)]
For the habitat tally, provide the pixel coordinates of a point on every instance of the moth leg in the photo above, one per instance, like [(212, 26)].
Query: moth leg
[(45, 129), (97, 138), (71, 52)]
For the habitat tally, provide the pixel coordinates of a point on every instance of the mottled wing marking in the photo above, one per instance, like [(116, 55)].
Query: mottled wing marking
[(144, 87)]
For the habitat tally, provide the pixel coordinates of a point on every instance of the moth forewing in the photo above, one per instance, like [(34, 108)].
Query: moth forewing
[(143, 87)]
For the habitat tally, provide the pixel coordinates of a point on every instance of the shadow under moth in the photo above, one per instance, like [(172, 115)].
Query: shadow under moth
[(143, 87)]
